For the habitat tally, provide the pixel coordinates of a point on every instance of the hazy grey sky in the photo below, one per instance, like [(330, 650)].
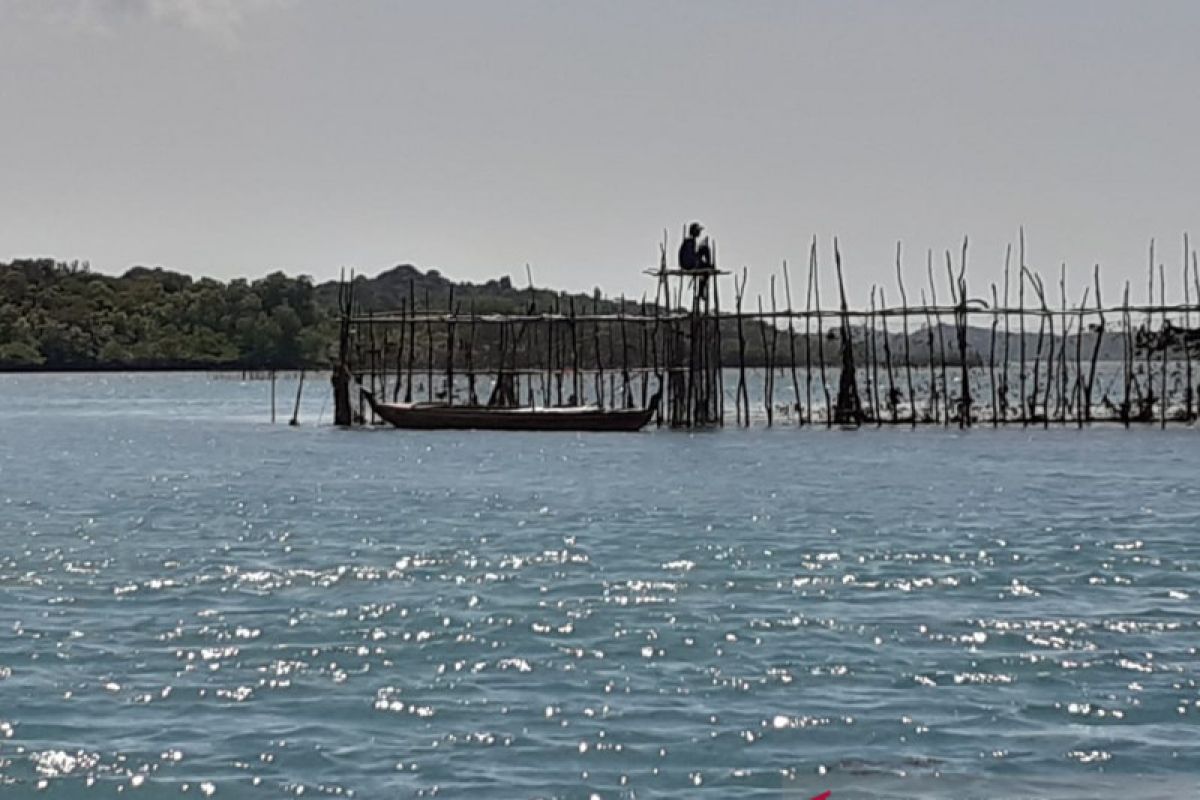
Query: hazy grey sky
[(234, 137)]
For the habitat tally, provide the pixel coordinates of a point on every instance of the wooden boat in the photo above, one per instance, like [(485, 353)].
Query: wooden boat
[(440, 416)]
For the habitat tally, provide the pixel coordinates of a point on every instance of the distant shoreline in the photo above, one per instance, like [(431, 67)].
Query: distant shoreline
[(111, 369)]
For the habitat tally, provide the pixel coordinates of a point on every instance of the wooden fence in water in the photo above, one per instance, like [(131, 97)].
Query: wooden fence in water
[(961, 360)]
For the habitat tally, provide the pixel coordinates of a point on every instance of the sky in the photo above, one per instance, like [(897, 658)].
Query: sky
[(236, 137)]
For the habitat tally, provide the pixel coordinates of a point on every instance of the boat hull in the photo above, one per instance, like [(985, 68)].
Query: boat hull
[(442, 417)]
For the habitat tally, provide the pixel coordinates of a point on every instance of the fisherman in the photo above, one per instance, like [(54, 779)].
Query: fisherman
[(695, 254)]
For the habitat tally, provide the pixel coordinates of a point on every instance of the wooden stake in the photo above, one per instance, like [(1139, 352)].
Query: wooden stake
[(912, 398), (887, 355), (1187, 328), (743, 398), (1021, 324), (296, 411), (791, 330), (1003, 391), (941, 341), (821, 337)]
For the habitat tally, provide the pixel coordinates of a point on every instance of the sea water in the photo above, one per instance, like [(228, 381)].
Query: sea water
[(195, 602)]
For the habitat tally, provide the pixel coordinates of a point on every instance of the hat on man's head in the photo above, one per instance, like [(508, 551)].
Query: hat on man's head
[(694, 229)]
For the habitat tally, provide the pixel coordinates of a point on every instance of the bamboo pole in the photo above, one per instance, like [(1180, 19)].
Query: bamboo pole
[(1164, 337), (1148, 338), (873, 363), (808, 334), (791, 330), (1196, 286), (1003, 391), (644, 356), (693, 396), (960, 324), (561, 357), (1062, 407), (1077, 392), (1127, 356), (655, 352), (849, 404), (626, 389), (720, 355), (1021, 326), (472, 393), (383, 363), (400, 353), (941, 341), (576, 396), (296, 410), (1187, 328), (772, 355), (992, 358), (412, 339), (1036, 282), (450, 331), (599, 363), (1091, 381), (934, 406), (428, 349), (762, 330), (912, 398), (743, 398), (372, 366), (892, 400), (821, 336)]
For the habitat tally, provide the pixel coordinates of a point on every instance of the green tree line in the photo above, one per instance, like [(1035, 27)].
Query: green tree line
[(56, 315)]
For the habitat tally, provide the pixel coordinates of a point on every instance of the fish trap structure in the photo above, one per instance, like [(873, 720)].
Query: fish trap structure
[(962, 360)]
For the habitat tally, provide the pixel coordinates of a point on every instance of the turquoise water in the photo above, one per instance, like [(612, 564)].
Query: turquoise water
[(194, 602)]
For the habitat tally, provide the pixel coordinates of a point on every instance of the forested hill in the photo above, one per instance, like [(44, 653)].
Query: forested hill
[(56, 315)]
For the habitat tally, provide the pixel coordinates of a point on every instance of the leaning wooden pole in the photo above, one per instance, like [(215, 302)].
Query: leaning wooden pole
[(296, 410), (1091, 380), (958, 291), (941, 336), (849, 404)]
